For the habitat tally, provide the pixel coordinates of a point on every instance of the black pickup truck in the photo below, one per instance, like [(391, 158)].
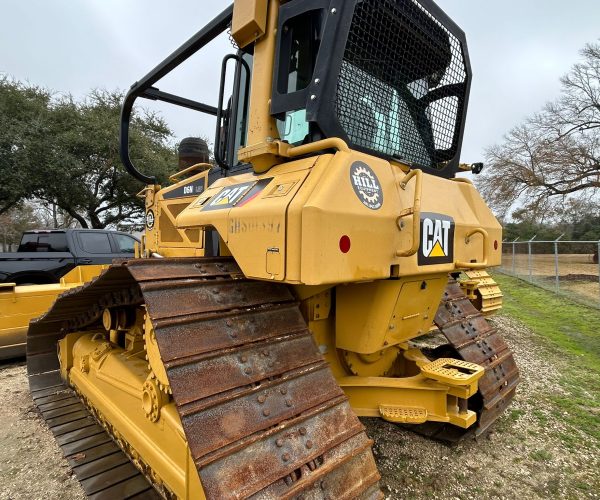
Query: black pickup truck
[(43, 257)]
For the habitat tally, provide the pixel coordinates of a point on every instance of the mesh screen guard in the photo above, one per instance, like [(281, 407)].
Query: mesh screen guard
[(391, 77), (396, 55)]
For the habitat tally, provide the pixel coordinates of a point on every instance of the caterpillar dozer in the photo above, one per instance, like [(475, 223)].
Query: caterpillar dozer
[(279, 295)]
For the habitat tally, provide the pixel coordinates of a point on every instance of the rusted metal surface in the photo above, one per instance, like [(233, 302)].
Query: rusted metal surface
[(256, 399), (352, 459), (262, 412), (226, 330), (473, 339), (232, 417), (194, 378)]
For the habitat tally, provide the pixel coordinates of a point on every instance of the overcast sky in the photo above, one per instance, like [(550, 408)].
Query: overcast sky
[(519, 49)]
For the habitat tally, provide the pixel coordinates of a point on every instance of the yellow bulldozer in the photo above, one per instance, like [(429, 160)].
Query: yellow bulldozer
[(279, 295)]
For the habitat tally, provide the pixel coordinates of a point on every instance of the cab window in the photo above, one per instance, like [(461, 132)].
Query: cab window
[(97, 243), (125, 244)]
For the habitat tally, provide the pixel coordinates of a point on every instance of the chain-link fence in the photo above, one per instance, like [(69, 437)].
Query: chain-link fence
[(570, 268)]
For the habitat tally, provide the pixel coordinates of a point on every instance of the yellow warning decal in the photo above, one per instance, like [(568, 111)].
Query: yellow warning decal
[(437, 251)]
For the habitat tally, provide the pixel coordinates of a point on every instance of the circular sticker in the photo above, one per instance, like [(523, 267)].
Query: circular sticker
[(366, 185), (150, 219)]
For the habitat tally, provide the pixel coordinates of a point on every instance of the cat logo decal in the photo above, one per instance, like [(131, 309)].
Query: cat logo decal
[(437, 239)]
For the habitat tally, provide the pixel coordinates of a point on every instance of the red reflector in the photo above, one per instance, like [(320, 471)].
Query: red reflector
[(345, 244), (495, 244)]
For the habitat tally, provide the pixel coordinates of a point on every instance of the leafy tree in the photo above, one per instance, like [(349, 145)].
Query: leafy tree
[(578, 221), (100, 193), (554, 156), (66, 153), (23, 139)]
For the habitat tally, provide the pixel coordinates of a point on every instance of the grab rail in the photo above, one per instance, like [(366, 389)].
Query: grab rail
[(415, 211), (475, 265), (198, 166), (144, 87)]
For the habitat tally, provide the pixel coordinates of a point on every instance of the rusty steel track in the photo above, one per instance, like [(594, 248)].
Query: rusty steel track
[(262, 413), (473, 339)]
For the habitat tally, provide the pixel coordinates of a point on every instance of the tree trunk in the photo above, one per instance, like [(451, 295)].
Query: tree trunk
[(55, 215)]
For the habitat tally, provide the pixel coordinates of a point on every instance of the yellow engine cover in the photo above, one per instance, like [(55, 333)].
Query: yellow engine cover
[(345, 218)]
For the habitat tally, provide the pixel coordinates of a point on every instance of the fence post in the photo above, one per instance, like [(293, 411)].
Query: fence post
[(514, 244), (556, 262), (529, 257)]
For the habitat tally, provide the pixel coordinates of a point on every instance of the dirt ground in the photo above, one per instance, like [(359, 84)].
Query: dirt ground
[(544, 264), (578, 275), (31, 464), (531, 453)]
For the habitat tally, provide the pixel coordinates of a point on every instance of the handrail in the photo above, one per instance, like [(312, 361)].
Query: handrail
[(415, 211), (551, 241), (197, 166), (475, 265), (142, 193), (234, 111), (464, 180), (313, 147), (144, 87)]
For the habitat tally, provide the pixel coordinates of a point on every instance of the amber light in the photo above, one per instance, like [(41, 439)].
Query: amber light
[(345, 244)]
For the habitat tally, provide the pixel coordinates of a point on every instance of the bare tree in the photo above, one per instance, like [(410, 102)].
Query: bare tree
[(13, 222), (51, 216), (554, 156)]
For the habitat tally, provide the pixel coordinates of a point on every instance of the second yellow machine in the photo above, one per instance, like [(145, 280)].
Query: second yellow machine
[(277, 296)]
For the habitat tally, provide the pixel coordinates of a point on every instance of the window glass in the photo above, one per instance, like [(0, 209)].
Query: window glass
[(126, 244), (95, 242), (295, 127), (44, 242), (376, 116), (241, 132), (304, 32), (305, 38), (402, 83), (28, 243)]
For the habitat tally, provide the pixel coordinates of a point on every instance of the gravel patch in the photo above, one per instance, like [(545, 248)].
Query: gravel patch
[(31, 464)]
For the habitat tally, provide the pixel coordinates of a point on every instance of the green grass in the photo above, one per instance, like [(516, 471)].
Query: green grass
[(572, 332), (572, 327), (515, 414), (540, 455), (542, 418)]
